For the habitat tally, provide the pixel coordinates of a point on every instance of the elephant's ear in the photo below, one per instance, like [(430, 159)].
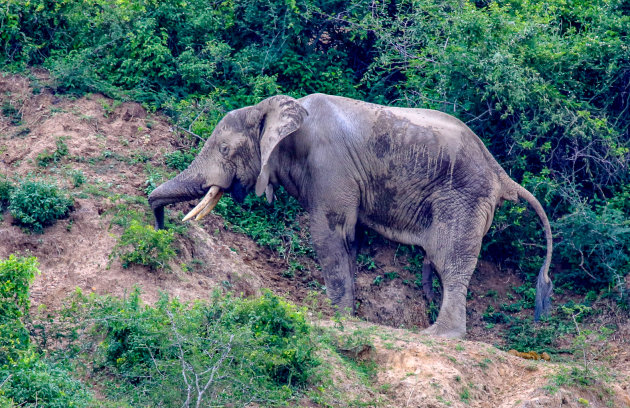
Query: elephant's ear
[(283, 115)]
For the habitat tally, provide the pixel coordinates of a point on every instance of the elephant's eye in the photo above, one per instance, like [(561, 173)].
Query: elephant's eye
[(224, 149)]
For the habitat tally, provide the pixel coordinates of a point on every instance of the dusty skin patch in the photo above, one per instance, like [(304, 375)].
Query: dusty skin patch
[(112, 144)]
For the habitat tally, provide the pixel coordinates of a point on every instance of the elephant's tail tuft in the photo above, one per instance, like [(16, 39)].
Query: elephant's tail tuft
[(544, 286)]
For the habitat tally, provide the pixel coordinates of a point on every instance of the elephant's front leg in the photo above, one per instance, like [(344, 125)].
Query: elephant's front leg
[(332, 232)]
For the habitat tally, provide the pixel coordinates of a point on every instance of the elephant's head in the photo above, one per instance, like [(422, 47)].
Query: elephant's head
[(234, 159)]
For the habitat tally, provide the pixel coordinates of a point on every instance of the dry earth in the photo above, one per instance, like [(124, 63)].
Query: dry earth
[(112, 143), (419, 371)]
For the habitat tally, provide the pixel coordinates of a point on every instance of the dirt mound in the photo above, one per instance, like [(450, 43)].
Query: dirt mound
[(420, 371)]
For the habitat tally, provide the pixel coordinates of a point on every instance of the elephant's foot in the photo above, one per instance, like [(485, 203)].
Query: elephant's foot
[(439, 330)]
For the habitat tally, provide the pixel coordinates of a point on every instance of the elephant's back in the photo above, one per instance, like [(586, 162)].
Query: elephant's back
[(410, 143), (359, 120)]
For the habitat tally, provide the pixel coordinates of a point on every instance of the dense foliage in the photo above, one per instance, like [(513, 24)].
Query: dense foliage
[(143, 245), (27, 378), (545, 84), (226, 351), (36, 204)]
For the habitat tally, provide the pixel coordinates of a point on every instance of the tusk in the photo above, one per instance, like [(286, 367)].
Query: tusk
[(210, 206), (206, 205)]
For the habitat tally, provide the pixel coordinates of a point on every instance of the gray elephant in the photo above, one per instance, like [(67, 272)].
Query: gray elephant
[(416, 176)]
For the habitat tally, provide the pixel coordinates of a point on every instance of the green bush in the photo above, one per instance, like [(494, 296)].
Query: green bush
[(594, 248), (141, 244), (243, 349), (16, 276), (27, 379), (178, 159), (283, 328), (36, 204), (36, 382)]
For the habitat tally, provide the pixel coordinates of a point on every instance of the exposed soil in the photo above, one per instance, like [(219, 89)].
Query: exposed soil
[(113, 143), (419, 371)]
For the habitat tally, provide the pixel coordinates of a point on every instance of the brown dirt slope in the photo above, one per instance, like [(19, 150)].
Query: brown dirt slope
[(119, 146), (111, 145), (419, 371)]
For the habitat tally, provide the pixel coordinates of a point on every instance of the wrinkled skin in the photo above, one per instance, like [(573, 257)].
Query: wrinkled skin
[(416, 176)]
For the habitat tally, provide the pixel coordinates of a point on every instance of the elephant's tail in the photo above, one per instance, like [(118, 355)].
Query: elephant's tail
[(544, 286)]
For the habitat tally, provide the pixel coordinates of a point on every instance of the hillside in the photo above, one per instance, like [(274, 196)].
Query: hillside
[(117, 149)]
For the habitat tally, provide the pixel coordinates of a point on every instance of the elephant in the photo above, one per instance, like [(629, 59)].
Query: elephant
[(416, 176)]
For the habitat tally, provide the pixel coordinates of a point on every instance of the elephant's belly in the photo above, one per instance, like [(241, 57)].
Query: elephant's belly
[(403, 237)]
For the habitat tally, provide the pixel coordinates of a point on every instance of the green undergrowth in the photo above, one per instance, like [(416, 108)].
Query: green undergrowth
[(140, 243), (276, 226), (27, 377), (575, 321), (229, 350), (225, 351), (35, 203)]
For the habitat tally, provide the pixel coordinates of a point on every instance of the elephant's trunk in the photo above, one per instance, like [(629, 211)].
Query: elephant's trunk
[(183, 187)]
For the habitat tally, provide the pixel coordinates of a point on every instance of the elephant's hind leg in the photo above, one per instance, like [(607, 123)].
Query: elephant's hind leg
[(455, 263)]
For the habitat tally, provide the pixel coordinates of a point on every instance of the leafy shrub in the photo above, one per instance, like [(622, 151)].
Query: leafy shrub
[(36, 204), (141, 244), (243, 349), (36, 382), (283, 328), (178, 159), (16, 276), (595, 248)]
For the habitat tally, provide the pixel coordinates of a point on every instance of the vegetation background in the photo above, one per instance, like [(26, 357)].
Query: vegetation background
[(545, 84)]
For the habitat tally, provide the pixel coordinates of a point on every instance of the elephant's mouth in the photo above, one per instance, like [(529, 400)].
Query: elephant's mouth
[(238, 191), (206, 205)]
